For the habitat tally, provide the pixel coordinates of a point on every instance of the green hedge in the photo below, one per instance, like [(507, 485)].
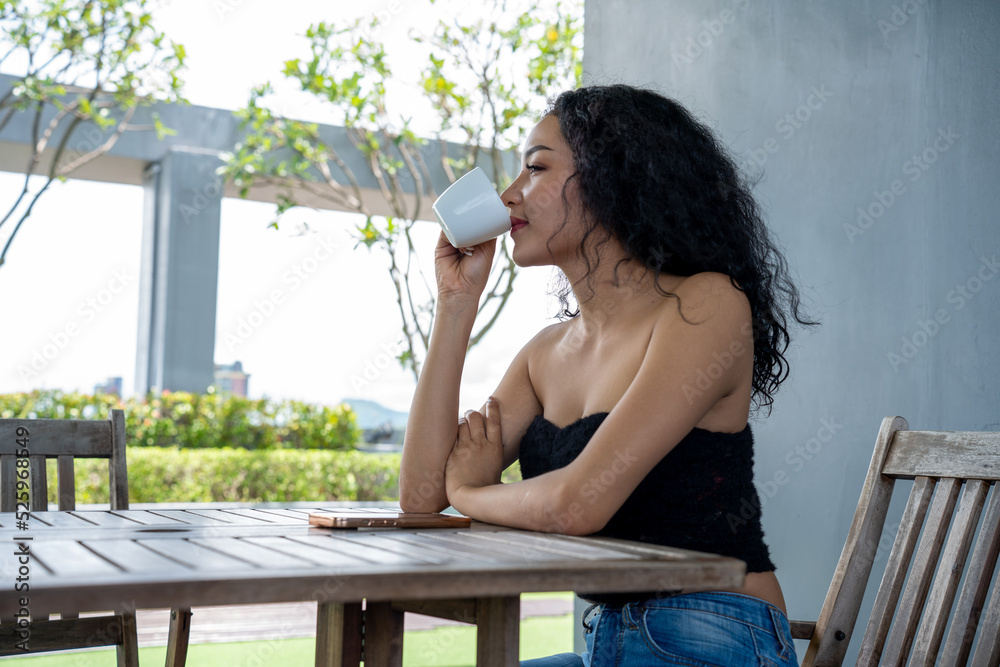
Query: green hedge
[(279, 451), (172, 475), (200, 421)]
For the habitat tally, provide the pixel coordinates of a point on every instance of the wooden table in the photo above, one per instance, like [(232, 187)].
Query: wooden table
[(127, 559)]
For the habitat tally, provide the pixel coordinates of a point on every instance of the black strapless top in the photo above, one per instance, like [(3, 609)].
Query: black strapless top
[(699, 496)]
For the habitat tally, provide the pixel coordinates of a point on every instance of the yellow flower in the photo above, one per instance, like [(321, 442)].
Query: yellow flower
[(552, 35)]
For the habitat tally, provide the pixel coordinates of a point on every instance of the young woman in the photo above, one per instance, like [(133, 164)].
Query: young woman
[(635, 406)]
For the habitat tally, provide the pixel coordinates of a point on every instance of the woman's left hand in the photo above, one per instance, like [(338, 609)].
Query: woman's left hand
[(477, 459)]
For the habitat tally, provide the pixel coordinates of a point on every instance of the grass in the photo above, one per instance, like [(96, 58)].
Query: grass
[(449, 646)]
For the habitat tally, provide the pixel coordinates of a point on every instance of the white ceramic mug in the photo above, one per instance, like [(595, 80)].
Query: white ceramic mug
[(470, 211)]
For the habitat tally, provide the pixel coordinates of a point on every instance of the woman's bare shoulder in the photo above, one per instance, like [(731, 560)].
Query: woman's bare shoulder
[(705, 296), (533, 352), (548, 337)]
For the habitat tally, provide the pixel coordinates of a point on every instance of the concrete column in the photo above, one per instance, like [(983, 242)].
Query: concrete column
[(178, 280)]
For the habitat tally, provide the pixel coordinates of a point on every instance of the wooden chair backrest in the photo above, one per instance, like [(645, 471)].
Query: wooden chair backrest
[(953, 473), (63, 439)]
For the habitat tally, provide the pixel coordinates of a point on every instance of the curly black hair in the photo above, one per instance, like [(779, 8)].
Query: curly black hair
[(657, 180)]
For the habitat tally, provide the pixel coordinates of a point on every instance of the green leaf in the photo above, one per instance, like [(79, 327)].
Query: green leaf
[(161, 129)]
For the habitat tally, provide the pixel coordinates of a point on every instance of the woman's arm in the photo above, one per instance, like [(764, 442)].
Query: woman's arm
[(665, 401), (431, 427), (433, 424)]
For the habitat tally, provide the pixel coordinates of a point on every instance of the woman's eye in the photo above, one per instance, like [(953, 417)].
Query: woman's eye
[(532, 168)]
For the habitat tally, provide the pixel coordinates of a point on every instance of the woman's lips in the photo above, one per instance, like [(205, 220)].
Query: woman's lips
[(516, 224)]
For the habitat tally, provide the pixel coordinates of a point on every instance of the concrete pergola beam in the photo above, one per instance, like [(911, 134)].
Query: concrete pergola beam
[(208, 130)]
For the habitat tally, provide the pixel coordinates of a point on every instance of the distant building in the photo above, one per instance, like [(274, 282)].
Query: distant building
[(230, 379), (112, 385)]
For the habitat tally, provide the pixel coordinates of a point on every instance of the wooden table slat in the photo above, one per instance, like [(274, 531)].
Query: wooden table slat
[(382, 539), (556, 546), (262, 517), (254, 554), (147, 517), (542, 550), (174, 530), (230, 517), (193, 554), (286, 512), (312, 553), (99, 518), (133, 556), (68, 558), (302, 511), (641, 549), (197, 518), (448, 543), (43, 520), (367, 551)]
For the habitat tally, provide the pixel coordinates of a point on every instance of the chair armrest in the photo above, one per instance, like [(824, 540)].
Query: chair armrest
[(802, 629)]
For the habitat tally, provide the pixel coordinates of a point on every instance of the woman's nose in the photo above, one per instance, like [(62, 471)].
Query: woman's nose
[(512, 195)]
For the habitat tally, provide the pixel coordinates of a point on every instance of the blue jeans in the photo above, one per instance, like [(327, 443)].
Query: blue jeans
[(697, 629)]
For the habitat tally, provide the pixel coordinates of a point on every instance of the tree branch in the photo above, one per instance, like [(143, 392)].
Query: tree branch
[(32, 163), (511, 275), (100, 150), (17, 227)]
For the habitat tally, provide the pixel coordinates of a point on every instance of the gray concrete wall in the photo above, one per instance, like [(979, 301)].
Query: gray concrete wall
[(874, 127)]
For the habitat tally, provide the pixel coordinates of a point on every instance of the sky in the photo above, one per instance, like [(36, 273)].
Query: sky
[(71, 287)]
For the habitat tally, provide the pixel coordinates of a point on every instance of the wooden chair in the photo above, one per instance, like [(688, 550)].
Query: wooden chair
[(953, 473), (64, 440)]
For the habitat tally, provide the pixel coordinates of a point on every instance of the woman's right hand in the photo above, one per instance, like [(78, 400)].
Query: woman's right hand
[(460, 276)]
